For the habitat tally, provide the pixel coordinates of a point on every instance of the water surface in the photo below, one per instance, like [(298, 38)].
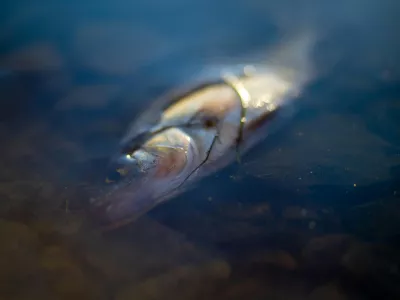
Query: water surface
[(311, 213)]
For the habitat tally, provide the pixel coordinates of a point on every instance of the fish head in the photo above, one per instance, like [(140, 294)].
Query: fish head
[(153, 167), (141, 178)]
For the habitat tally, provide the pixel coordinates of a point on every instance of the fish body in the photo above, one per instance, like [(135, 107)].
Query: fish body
[(184, 137)]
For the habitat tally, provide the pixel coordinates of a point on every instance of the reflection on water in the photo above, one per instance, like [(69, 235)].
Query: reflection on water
[(310, 214)]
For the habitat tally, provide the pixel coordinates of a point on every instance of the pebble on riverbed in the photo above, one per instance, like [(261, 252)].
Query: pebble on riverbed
[(186, 282)]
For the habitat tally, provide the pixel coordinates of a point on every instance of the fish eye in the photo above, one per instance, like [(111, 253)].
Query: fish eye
[(205, 120), (209, 122)]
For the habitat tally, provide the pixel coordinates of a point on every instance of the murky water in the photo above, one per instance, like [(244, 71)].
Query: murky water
[(312, 213)]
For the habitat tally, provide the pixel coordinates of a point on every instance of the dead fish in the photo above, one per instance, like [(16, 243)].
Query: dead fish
[(193, 133)]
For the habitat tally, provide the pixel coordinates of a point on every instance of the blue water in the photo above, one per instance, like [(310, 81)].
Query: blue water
[(145, 48)]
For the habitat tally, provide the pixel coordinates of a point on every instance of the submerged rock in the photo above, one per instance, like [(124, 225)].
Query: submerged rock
[(378, 265), (330, 291), (18, 252), (146, 248), (326, 252), (281, 259), (186, 282), (66, 277)]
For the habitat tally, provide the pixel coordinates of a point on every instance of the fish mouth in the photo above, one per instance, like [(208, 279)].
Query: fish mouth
[(139, 179), (124, 202)]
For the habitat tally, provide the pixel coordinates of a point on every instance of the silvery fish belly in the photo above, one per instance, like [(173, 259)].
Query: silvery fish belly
[(186, 136)]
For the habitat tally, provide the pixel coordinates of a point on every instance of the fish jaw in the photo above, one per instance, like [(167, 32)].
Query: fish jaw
[(147, 177)]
